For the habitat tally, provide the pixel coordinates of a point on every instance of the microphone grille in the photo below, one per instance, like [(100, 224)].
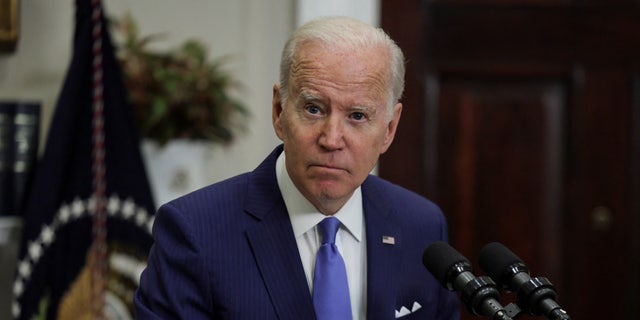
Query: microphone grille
[(439, 257), (495, 258)]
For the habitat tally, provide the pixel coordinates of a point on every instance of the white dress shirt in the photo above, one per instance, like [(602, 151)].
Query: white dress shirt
[(350, 239)]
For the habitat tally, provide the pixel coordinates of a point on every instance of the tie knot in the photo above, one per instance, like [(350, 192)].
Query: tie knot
[(328, 229)]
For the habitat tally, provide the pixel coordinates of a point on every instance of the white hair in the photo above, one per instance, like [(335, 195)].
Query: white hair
[(344, 32)]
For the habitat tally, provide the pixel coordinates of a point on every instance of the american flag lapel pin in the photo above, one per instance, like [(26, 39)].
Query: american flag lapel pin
[(388, 240)]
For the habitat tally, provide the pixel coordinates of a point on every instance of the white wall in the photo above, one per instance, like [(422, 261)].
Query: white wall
[(365, 10)]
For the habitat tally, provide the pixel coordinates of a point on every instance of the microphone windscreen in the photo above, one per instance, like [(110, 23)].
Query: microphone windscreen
[(495, 258), (439, 257)]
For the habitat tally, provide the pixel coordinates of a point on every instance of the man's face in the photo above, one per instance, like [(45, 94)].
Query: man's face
[(335, 123)]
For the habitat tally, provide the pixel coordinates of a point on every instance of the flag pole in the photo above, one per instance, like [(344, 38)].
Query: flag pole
[(99, 226)]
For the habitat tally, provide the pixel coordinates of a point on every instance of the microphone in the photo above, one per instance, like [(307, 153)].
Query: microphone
[(536, 296), (479, 294)]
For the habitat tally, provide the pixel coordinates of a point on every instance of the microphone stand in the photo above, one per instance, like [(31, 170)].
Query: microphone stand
[(480, 289), (540, 294)]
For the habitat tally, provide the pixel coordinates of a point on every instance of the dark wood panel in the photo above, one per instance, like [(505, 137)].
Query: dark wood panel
[(521, 33), (500, 157), (600, 204), (634, 296)]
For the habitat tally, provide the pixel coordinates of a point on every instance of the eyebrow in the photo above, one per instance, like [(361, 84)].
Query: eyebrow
[(306, 96)]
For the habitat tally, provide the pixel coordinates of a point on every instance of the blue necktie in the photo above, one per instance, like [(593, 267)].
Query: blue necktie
[(330, 287)]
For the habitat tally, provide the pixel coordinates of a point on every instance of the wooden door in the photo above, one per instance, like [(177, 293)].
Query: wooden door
[(522, 121)]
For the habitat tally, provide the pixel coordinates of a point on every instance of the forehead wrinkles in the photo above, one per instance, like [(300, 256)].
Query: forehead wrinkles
[(340, 69)]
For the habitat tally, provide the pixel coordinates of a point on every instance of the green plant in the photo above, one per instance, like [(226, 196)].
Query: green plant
[(177, 94)]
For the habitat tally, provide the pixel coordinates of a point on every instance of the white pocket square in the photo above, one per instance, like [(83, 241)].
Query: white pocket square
[(404, 311)]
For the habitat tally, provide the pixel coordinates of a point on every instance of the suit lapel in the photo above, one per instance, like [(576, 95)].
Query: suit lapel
[(274, 245), (384, 245), (276, 254)]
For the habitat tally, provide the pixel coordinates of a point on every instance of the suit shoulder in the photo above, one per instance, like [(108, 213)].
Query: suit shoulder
[(419, 218), (399, 195), (220, 193)]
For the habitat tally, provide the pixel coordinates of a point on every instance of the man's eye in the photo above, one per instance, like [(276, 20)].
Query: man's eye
[(358, 116), (312, 109)]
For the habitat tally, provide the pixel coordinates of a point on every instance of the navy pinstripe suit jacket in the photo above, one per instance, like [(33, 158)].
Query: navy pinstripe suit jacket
[(227, 251)]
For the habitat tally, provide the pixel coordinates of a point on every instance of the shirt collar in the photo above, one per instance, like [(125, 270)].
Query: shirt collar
[(304, 216)]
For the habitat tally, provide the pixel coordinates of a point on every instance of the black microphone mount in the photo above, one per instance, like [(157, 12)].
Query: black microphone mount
[(535, 296), (474, 290), (480, 295)]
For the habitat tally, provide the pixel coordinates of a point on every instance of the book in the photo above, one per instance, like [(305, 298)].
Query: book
[(19, 139), (7, 196), (26, 134)]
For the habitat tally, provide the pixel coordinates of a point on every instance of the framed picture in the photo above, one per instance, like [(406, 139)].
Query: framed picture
[(8, 25)]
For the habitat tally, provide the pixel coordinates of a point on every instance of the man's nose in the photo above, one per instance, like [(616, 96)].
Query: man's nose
[(332, 135)]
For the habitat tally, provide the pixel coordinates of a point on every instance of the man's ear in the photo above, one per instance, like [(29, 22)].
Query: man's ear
[(276, 111), (391, 127)]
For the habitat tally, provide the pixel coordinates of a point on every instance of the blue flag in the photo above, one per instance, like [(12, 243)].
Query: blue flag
[(91, 167)]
